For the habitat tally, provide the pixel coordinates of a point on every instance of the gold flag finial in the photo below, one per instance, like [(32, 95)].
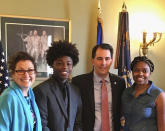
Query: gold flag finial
[(99, 9), (124, 7)]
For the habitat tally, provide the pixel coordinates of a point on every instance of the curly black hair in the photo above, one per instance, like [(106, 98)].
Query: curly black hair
[(60, 49), (144, 59), (19, 56)]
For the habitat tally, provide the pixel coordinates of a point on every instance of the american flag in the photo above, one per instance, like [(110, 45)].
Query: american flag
[(4, 77)]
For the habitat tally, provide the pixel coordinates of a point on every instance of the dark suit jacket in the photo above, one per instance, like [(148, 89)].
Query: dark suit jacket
[(86, 85), (53, 110)]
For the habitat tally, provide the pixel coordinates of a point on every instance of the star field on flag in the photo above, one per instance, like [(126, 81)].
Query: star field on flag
[(4, 77)]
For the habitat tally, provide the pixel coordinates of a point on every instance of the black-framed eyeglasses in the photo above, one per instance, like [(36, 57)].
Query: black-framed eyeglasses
[(22, 72)]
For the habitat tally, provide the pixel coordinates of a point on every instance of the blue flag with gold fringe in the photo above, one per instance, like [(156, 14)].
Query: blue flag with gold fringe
[(4, 77), (122, 59)]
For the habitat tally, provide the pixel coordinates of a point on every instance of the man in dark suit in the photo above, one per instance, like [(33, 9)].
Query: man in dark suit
[(90, 88), (59, 101)]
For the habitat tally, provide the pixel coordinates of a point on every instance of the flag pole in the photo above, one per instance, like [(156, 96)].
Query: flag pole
[(124, 7), (99, 9), (100, 35)]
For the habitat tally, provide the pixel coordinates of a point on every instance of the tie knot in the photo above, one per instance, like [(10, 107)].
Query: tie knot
[(103, 81)]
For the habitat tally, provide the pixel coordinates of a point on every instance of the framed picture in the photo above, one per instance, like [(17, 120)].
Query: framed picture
[(33, 35)]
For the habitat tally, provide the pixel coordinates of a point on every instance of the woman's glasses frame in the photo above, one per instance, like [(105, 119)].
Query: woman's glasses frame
[(22, 72)]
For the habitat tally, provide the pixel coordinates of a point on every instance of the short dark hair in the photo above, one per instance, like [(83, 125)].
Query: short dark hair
[(142, 59), (60, 49), (19, 56), (102, 46)]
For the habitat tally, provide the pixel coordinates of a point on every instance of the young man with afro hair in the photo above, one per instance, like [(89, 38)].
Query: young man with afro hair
[(58, 100)]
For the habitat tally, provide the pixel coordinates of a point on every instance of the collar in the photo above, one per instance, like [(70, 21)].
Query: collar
[(60, 83), (148, 91), (97, 79), (17, 88), (150, 88)]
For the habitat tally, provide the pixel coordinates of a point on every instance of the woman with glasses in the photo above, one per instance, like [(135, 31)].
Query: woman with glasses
[(18, 109)]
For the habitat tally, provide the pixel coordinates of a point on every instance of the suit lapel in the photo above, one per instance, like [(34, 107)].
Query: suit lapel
[(60, 101), (114, 90), (70, 103), (113, 84)]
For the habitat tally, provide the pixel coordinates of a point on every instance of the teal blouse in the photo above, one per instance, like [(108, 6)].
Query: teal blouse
[(15, 114)]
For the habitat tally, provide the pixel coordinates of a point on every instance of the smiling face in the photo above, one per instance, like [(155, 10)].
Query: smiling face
[(102, 62), (141, 73), (63, 67), (24, 80)]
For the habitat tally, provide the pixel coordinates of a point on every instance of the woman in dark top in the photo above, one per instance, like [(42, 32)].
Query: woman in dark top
[(143, 103)]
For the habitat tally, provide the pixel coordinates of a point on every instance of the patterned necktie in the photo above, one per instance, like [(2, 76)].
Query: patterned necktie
[(105, 109)]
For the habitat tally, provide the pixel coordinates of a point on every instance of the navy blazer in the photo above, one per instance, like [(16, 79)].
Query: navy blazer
[(86, 85), (52, 108)]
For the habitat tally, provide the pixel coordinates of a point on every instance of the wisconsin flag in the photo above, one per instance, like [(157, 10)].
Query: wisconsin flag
[(122, 59), (99, 31), (4, 77)]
